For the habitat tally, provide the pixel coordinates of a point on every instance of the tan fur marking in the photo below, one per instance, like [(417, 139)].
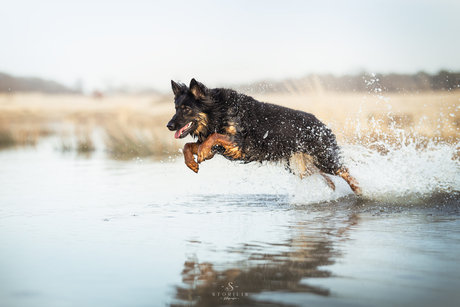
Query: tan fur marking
[(202, 121), (200, 129), (302, 165), (196, 92), (234, 152), (230, 130), (203, 118), (205, 149)]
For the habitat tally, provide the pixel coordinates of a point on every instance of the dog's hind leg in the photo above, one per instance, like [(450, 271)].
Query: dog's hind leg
[(329, 182), (189, 150), (343, 172), (302, 165), (231, 149)]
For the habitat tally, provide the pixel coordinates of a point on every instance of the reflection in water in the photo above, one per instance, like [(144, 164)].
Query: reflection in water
[(266, 267), (97, 232)]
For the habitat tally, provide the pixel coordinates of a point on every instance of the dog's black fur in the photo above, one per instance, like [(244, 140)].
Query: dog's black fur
[(247, 130)]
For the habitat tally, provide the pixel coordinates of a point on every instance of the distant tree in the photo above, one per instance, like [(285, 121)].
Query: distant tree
[(10, 83)]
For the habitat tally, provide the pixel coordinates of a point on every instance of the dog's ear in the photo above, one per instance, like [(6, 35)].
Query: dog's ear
[(198, 89), (177, 89)]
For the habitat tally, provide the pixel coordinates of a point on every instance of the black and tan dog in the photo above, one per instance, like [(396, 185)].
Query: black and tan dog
[(241, 128)]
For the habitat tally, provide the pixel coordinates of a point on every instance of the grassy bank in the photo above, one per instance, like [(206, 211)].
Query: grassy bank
[(134, 125)]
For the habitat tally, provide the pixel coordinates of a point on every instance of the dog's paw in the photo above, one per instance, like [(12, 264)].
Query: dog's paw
[(357, 190), (204, 153), (193, 166), (199, 157), (329, 182), (190, 162)]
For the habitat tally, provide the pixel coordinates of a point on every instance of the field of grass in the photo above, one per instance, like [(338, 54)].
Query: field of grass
[(135, 125)]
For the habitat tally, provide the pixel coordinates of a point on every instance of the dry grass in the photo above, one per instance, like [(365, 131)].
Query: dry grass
[(126, 143), (6, 138), (85, 144), (21, 132), (134, 126), (432, 114)]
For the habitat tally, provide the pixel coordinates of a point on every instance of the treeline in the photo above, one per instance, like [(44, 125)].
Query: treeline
[(10, 84), (364, 82)]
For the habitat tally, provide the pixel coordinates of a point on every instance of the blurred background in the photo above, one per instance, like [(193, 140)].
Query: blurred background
[(93, 214), (96, 75)]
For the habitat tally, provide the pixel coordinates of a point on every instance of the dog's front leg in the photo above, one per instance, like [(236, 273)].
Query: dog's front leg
[(205, 149), (189, 150)]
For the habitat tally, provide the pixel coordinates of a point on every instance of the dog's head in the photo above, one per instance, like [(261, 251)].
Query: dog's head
[(190, 103)]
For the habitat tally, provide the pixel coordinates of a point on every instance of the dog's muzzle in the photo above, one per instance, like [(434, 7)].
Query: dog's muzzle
[(171, 126)]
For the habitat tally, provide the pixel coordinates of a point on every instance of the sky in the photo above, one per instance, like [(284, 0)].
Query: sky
[(145, 44)]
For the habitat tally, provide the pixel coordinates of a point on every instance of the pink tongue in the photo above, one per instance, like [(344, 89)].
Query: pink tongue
[(179, 132)]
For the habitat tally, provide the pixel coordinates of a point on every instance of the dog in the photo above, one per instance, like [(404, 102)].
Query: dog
[(241, 128)]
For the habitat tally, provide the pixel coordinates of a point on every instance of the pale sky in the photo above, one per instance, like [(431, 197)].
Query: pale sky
[(148, 43)]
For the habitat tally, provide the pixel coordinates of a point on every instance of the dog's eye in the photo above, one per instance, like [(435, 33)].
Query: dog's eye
[(187, 109)]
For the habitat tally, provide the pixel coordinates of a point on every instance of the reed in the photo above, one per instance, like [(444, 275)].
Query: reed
[(65, 145), (130, 142), (22, 133), (135, 126), (6, 138), (85, 144)]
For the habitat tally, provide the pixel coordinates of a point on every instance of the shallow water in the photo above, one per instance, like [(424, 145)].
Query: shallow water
[(78, 231)]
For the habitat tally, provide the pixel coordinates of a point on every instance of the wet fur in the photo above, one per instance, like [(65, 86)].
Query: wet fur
[(241, 128)]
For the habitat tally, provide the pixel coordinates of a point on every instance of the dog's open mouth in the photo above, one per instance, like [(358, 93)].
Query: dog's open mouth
[(184, 131)]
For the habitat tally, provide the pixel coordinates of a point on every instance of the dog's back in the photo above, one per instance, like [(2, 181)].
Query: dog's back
[(269, 132), (244, 129)]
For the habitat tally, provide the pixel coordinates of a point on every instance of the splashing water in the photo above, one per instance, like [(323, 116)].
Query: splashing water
[(314, 189), (404, 174), (401, 174)]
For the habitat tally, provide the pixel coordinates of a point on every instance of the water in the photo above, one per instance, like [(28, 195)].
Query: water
[(77, 231)]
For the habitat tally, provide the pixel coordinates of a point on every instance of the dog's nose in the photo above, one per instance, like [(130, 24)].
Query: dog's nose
[(171, 126)]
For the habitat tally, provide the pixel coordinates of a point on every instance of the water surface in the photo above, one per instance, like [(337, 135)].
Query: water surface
[(91, 231)]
